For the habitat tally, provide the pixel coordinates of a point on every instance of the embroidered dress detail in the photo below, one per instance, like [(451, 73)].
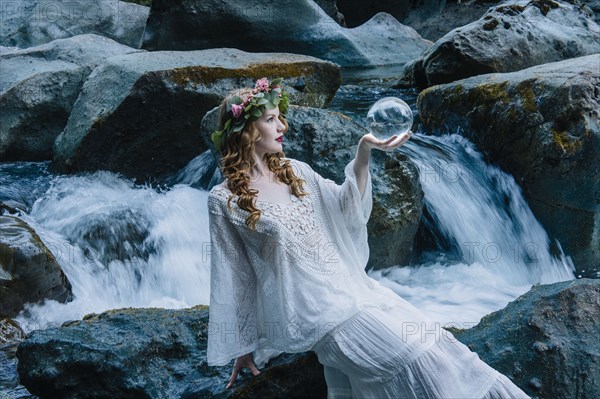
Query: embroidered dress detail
[(297, 215)]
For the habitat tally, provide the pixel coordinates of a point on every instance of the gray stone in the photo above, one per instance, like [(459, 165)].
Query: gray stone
[(150, 353), (434, 18), (327, 141), (512, 36), (541, 125), (29, 273), (38, 87), (431, 18), (10, 332), (546, 340), (145, 125), (27, 23), (300, 26)]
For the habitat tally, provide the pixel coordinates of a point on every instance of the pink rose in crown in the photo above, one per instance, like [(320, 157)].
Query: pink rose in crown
[(236, 109), (262, 84)]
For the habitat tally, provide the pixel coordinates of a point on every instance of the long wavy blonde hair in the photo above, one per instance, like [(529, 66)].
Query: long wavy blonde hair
[(237, 160)]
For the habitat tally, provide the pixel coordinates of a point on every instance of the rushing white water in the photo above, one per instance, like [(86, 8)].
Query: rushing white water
[(480, 211), (123, 245)]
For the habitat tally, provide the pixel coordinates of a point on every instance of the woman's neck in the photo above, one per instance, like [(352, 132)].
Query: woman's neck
[(259, 171)]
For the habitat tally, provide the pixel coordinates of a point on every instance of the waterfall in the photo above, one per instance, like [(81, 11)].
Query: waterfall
[(485, 245), (121, 245)]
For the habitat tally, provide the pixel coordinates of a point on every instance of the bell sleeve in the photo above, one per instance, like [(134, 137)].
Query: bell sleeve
[(347, 197), (232, 329)]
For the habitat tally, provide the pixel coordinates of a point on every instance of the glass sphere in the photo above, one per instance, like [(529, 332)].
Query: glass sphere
[(389, 116)]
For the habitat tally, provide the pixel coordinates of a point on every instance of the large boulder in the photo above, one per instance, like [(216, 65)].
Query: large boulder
[(39, 87), (150, 353), (27, 23), (546, 340), (512, 36), (434, 18), (29, 273), (541, 125), (431, 18), (300, 26), (327, 141), (145, 123)]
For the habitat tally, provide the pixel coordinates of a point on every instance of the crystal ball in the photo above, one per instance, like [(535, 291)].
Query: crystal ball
[(389, 116)]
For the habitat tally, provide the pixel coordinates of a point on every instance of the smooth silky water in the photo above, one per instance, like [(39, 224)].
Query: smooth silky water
[(126, 245)]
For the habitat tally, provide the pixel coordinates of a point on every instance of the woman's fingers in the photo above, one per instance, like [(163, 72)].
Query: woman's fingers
[(395, 141)]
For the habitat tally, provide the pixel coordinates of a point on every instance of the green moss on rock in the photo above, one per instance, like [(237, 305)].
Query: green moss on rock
[(563, 140), (207, 75)]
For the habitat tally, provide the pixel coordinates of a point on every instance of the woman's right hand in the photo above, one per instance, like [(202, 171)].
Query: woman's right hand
[(240, 363)]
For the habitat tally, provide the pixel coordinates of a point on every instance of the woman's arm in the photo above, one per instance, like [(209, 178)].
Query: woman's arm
[(363, 154)]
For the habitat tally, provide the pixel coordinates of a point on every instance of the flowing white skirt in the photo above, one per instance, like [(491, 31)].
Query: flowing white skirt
[(396, 353)]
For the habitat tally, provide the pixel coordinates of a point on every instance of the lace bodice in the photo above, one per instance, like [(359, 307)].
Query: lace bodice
[(298, 215)]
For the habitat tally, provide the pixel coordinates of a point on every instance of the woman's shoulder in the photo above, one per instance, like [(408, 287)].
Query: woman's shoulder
[(300, 167), (218, 197), (220, 187)]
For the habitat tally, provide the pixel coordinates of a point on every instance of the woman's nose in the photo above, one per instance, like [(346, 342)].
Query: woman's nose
[(280, 126)]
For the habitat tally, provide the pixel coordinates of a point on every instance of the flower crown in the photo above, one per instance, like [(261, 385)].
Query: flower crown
[(264, 96)]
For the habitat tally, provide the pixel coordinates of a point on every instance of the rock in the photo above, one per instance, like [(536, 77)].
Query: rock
[(4, 208), (546, 340), (38, 88), (28, 270), (301, 26), (145, 123), (512, 36), (357, 12), (432, 19), (27, 23), (10, 332), (541, 125), (150, 353), (327, 141)]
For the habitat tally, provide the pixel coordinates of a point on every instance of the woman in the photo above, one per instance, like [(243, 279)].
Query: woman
[(287, 271)]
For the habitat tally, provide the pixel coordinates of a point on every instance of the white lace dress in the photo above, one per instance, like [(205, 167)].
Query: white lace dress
[(297, 283)]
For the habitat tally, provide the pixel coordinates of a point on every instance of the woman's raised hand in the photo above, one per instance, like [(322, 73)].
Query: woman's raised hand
[(389, 144), (240, 363)]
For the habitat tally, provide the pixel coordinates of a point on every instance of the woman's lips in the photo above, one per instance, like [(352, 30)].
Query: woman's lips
[(280, 139)]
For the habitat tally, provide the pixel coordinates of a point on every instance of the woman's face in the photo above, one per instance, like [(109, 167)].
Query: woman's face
[(270, 129)]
